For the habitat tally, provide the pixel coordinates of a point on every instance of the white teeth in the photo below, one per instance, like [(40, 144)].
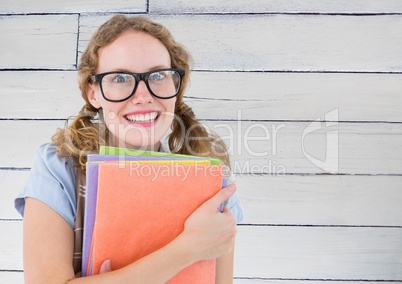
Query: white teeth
[(141, 118)]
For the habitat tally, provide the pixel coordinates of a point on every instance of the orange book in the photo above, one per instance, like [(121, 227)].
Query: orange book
[(143, 207)]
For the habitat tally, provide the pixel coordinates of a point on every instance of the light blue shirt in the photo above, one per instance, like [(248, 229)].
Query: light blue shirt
[(52, 181)]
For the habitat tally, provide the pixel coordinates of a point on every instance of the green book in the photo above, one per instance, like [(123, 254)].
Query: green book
[(115, 151)]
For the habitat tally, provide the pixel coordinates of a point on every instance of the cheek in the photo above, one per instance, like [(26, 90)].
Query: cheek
[(169, 105), (168, 114), (108, 116), (110, 112), (170, 109)]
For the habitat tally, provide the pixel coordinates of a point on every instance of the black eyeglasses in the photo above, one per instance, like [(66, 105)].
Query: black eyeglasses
[(120, 86)]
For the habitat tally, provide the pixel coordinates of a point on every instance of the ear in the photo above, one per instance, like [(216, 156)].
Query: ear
[(91, 95)]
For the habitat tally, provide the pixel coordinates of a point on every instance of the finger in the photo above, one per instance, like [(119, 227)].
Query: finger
[(221, 196)]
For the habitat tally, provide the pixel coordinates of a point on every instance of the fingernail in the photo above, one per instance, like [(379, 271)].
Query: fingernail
[(105, 267)]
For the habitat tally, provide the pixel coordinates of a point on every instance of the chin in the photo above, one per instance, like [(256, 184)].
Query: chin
[(142, 142), (133, 136)]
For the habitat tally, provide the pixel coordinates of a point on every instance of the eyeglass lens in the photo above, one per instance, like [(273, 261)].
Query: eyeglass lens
[(119, 86)]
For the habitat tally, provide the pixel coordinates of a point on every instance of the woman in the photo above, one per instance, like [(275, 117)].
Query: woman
[(121, 80)]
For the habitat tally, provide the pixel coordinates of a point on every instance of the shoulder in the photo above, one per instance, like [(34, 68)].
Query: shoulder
[(52, 181), (48, 163)]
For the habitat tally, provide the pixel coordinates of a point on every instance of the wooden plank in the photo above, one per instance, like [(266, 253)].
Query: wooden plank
[(39, 94), (267, 42), (46, 41), (288, 252), (295, 96), (12, 182), (312, 147), (321, 200), (11, 245), (261, 147), (12, 277), (225, 95), (27, 136), (275, 6), (289, 200), (72, 6), (319, 253)]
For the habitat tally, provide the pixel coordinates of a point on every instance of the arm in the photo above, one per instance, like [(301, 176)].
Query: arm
[(224, 268), (48, 246)]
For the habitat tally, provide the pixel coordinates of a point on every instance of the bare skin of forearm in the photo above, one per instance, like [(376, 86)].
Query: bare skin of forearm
[(224, 269), (157, 267)]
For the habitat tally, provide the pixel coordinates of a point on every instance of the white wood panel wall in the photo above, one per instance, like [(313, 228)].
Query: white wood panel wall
[(286, 83)]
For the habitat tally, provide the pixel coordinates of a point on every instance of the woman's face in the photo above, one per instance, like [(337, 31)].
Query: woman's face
[(142, 120)]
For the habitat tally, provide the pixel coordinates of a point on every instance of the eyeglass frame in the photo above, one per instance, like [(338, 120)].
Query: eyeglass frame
[(97, 78)]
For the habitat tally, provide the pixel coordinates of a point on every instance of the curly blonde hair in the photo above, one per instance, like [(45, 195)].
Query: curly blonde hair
[(87, 131)]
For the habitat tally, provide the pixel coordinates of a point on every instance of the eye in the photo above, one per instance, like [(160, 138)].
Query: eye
[(158, 76), (122, 78)]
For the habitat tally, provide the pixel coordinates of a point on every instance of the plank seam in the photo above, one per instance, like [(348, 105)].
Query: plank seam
[(78, 40), (147, 11), (275, 225), (38, 14), (14, 169), (94, 13), (301, 121), (38, 69), (312, 279), (224, 99), (320, 226), (33, 119), (317, 174), (231, 120), (252, 174), (279, 13), (236, 71), (297, 71)]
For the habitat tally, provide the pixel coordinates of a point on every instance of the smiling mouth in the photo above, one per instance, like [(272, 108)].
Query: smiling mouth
[(142, 118)]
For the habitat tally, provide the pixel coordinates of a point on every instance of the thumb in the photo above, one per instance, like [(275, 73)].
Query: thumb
[(221, 196)]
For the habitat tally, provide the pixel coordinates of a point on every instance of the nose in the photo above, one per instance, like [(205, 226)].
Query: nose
[(142, 94)]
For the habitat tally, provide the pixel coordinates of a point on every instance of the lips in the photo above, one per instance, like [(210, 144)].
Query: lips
[(142, 117)]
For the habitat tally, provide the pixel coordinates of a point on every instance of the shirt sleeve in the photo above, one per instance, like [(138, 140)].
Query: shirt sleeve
[(52, 181), (233, 203)]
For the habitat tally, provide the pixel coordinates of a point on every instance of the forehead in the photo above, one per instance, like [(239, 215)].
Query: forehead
[(133, 51)]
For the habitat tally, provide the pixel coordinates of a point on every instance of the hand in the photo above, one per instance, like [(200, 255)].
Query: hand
[(210, 233)]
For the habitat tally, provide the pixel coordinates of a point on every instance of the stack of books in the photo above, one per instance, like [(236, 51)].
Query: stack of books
[(138, 201)]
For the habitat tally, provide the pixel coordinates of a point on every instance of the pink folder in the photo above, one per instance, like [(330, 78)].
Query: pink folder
[(138, 213)]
